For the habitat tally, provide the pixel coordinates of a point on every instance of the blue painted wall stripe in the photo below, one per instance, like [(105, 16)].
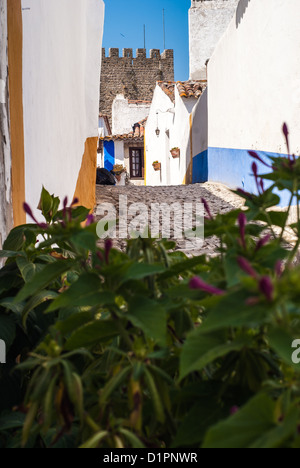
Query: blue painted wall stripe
[(200, 168), (109, 155), (231, 167)]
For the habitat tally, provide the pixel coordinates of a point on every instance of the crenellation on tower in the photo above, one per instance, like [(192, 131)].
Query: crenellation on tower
[(141, 53), (113, 52), (134, 77), (127, 53)]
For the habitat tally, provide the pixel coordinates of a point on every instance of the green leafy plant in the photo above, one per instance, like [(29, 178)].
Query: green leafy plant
[(150, 348)]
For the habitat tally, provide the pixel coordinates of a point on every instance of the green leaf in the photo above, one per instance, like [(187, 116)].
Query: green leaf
[(9, 304), (199, 350), (15, 239), (150, 317), (132, 438), (113, 384), (73, 322), (92, 333), (277, 437), (85, 240), (42, 279), (46, 204), (11, 421), (155, 397), (80, 213), (84, 292), (10, 254), (38, 299), (27, 269), (94, 441), (182, 267), (254, 425), (231, 310), (281, 342), (139, 271)]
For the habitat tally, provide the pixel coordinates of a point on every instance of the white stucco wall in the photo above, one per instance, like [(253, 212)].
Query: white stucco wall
[(175, 131), (157, 147), (208, 21), (61, 70), (102, 129), (119, 152), (254, 78), (126, 114), (200, 125)]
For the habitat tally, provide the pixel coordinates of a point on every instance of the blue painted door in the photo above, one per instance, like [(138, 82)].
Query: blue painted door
[(109, 155)]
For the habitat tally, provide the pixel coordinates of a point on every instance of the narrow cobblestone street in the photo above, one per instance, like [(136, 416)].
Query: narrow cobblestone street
[(219, 198)]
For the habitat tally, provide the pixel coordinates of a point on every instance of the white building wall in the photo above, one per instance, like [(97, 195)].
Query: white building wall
[(208, 21), (125, 114), (157, 147), (61, 71), (175, 131), (254, 86), (119, 152), (180, 137)]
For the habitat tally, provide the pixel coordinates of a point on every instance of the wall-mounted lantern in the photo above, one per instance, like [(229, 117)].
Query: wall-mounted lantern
[(157, 131)]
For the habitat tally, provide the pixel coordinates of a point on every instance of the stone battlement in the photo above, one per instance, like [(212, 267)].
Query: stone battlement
[(134, 77), (140, 53)]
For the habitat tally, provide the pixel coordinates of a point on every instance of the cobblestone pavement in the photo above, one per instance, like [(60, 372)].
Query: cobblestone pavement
[(219, 198)]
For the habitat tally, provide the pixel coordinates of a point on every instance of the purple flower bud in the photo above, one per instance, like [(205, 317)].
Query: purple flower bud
[(234, 410), (242, 220), (246, 267), (108, 247), (75, 201), (198, 283), (254, 169), (28, 211), (262, 242), (279, 268), (266, 287), (262, 185), (286, 134), (65, 204), (100, 256), (245, 194), (254, 155), (89, 220), (207, 208)]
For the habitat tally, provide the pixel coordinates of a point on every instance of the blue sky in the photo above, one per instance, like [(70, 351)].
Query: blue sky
[(124, 20)]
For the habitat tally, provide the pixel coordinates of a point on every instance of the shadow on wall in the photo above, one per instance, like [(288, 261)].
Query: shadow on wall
[(241, 8)]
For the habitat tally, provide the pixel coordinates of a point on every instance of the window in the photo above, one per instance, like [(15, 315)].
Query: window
[(136, 163)]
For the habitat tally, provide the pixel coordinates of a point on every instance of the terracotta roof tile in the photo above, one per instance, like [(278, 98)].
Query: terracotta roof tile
[(168, 88), (137, 133), (186, 89)]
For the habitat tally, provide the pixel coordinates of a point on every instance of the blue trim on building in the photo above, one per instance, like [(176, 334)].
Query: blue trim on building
[(200, 168), (232, 167), (109, 155)]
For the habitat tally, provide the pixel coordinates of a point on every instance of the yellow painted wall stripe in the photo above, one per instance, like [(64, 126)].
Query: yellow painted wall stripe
[(86, 183), (15, 75)]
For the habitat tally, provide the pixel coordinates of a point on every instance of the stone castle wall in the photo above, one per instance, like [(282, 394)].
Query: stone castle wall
[(134, 77)]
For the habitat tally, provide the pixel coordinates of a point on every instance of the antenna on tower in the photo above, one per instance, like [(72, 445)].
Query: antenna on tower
[(144, 36), (164, 28)]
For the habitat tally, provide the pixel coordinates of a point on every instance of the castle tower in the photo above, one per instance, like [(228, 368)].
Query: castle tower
[(134, 77), (208, 20)]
